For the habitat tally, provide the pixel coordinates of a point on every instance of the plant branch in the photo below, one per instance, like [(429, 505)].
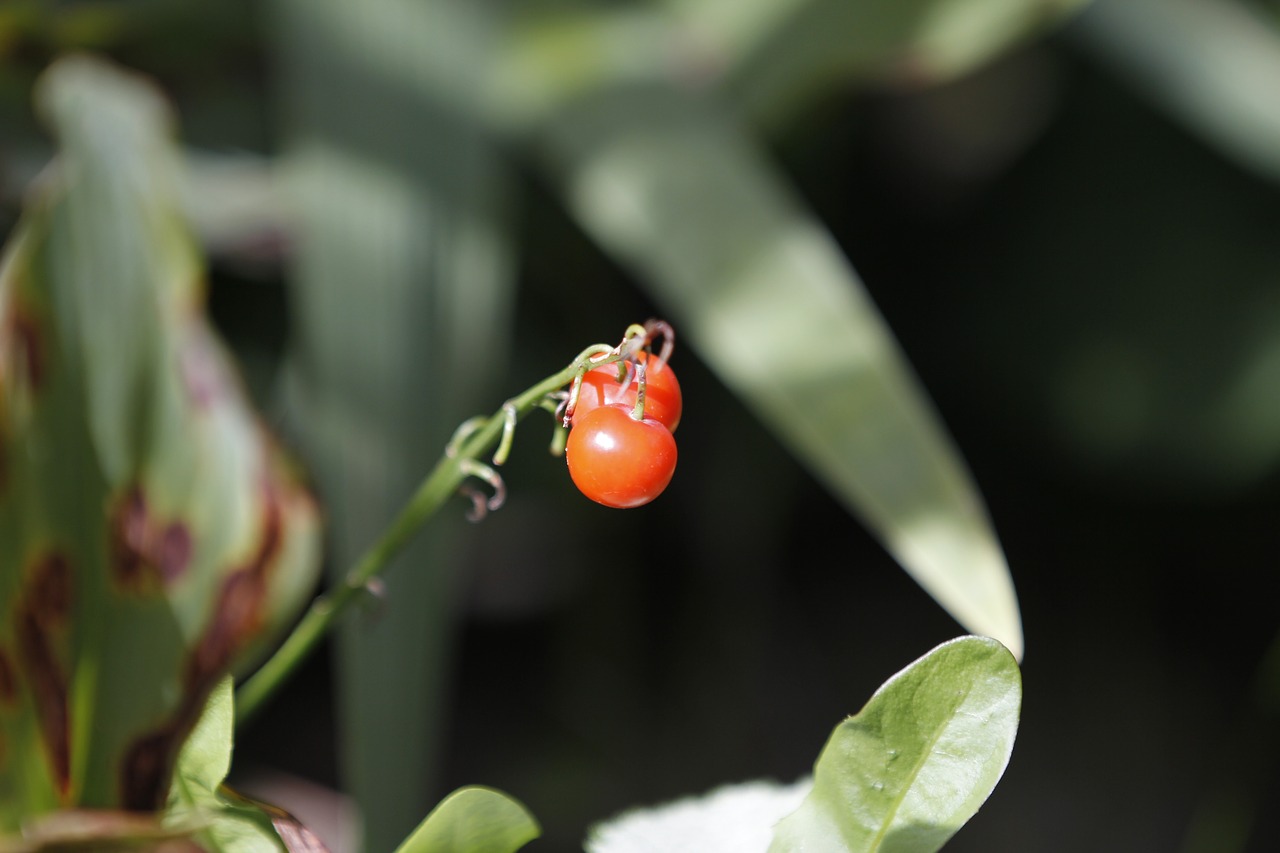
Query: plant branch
[(474, 439)]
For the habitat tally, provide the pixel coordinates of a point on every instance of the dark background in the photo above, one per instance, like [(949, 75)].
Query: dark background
[(1075, 297)]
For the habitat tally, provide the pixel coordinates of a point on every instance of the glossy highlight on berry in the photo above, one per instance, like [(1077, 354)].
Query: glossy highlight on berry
[(617, 460)]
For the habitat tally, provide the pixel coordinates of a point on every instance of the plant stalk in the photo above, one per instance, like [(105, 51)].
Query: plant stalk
[(440, 484)]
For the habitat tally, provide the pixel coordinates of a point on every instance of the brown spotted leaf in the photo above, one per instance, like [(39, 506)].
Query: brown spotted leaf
[(151, 536)]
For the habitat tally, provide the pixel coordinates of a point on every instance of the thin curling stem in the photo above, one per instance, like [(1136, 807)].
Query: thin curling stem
[(590, 362), (637, 411), (654, 328), (471, 442)]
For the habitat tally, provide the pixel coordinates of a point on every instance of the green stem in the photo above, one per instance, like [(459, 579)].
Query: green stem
[(637, 411), (438, 487)]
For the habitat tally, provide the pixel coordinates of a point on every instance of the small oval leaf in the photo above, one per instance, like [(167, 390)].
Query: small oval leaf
[(918, 761), (473, 820)]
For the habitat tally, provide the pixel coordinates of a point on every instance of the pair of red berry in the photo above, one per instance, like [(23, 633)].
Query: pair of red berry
[(615, 458)]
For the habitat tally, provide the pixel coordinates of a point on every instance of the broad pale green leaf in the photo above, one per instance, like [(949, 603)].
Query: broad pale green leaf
[(205, 758), (151, 536), (918, 761), (767, 57), (760, 289), (225, 823), (236, 828), (776, 53), (402, 295), (1215, 66), (473, 820)]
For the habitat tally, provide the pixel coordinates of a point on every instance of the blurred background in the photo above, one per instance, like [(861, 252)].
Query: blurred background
[(1070, 221)]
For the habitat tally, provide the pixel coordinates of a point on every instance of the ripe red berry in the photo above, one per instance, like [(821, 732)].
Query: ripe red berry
[(617, 460), (662, 400)]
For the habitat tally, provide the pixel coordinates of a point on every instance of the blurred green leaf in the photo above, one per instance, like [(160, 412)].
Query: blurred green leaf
[(769, 58), (918, 761), (99, 831), (473, 820), (780, 52), (402, 293), (151, 536), (226, 822), (205, 758), (1215, 66), (763, 293)]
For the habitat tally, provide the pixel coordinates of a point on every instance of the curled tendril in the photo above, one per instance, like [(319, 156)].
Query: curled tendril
[(559, 438), (637, 411), (464, 431), (556, 403), (626, 353), (509, 418), (571, 402), (480, 505), (633, 341), (575, 390), (560, 432), (654, 328)]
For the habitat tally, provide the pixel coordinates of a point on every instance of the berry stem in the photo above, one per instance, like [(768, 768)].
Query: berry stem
[(637, 411), (460, 459)]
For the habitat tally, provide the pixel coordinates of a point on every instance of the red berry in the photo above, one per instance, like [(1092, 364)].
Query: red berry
[(617, 460), (662, 400)]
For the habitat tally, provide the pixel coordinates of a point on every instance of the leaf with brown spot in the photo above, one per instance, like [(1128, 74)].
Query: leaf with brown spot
[(49, 591), (146, 553), (24, 350), (8, 681), (182, 542), (47, 676)]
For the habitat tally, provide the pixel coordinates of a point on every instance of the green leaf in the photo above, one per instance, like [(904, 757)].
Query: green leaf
[(473, 820), (151, 535), (205, 758), (777, 54), (761, 290), (1214, 66), (918, 761), (227, 823), (238, 828), (769, 58), (401, 291), (97, 831)]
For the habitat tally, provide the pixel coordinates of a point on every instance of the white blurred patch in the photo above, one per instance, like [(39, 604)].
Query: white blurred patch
[(732, 819)]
